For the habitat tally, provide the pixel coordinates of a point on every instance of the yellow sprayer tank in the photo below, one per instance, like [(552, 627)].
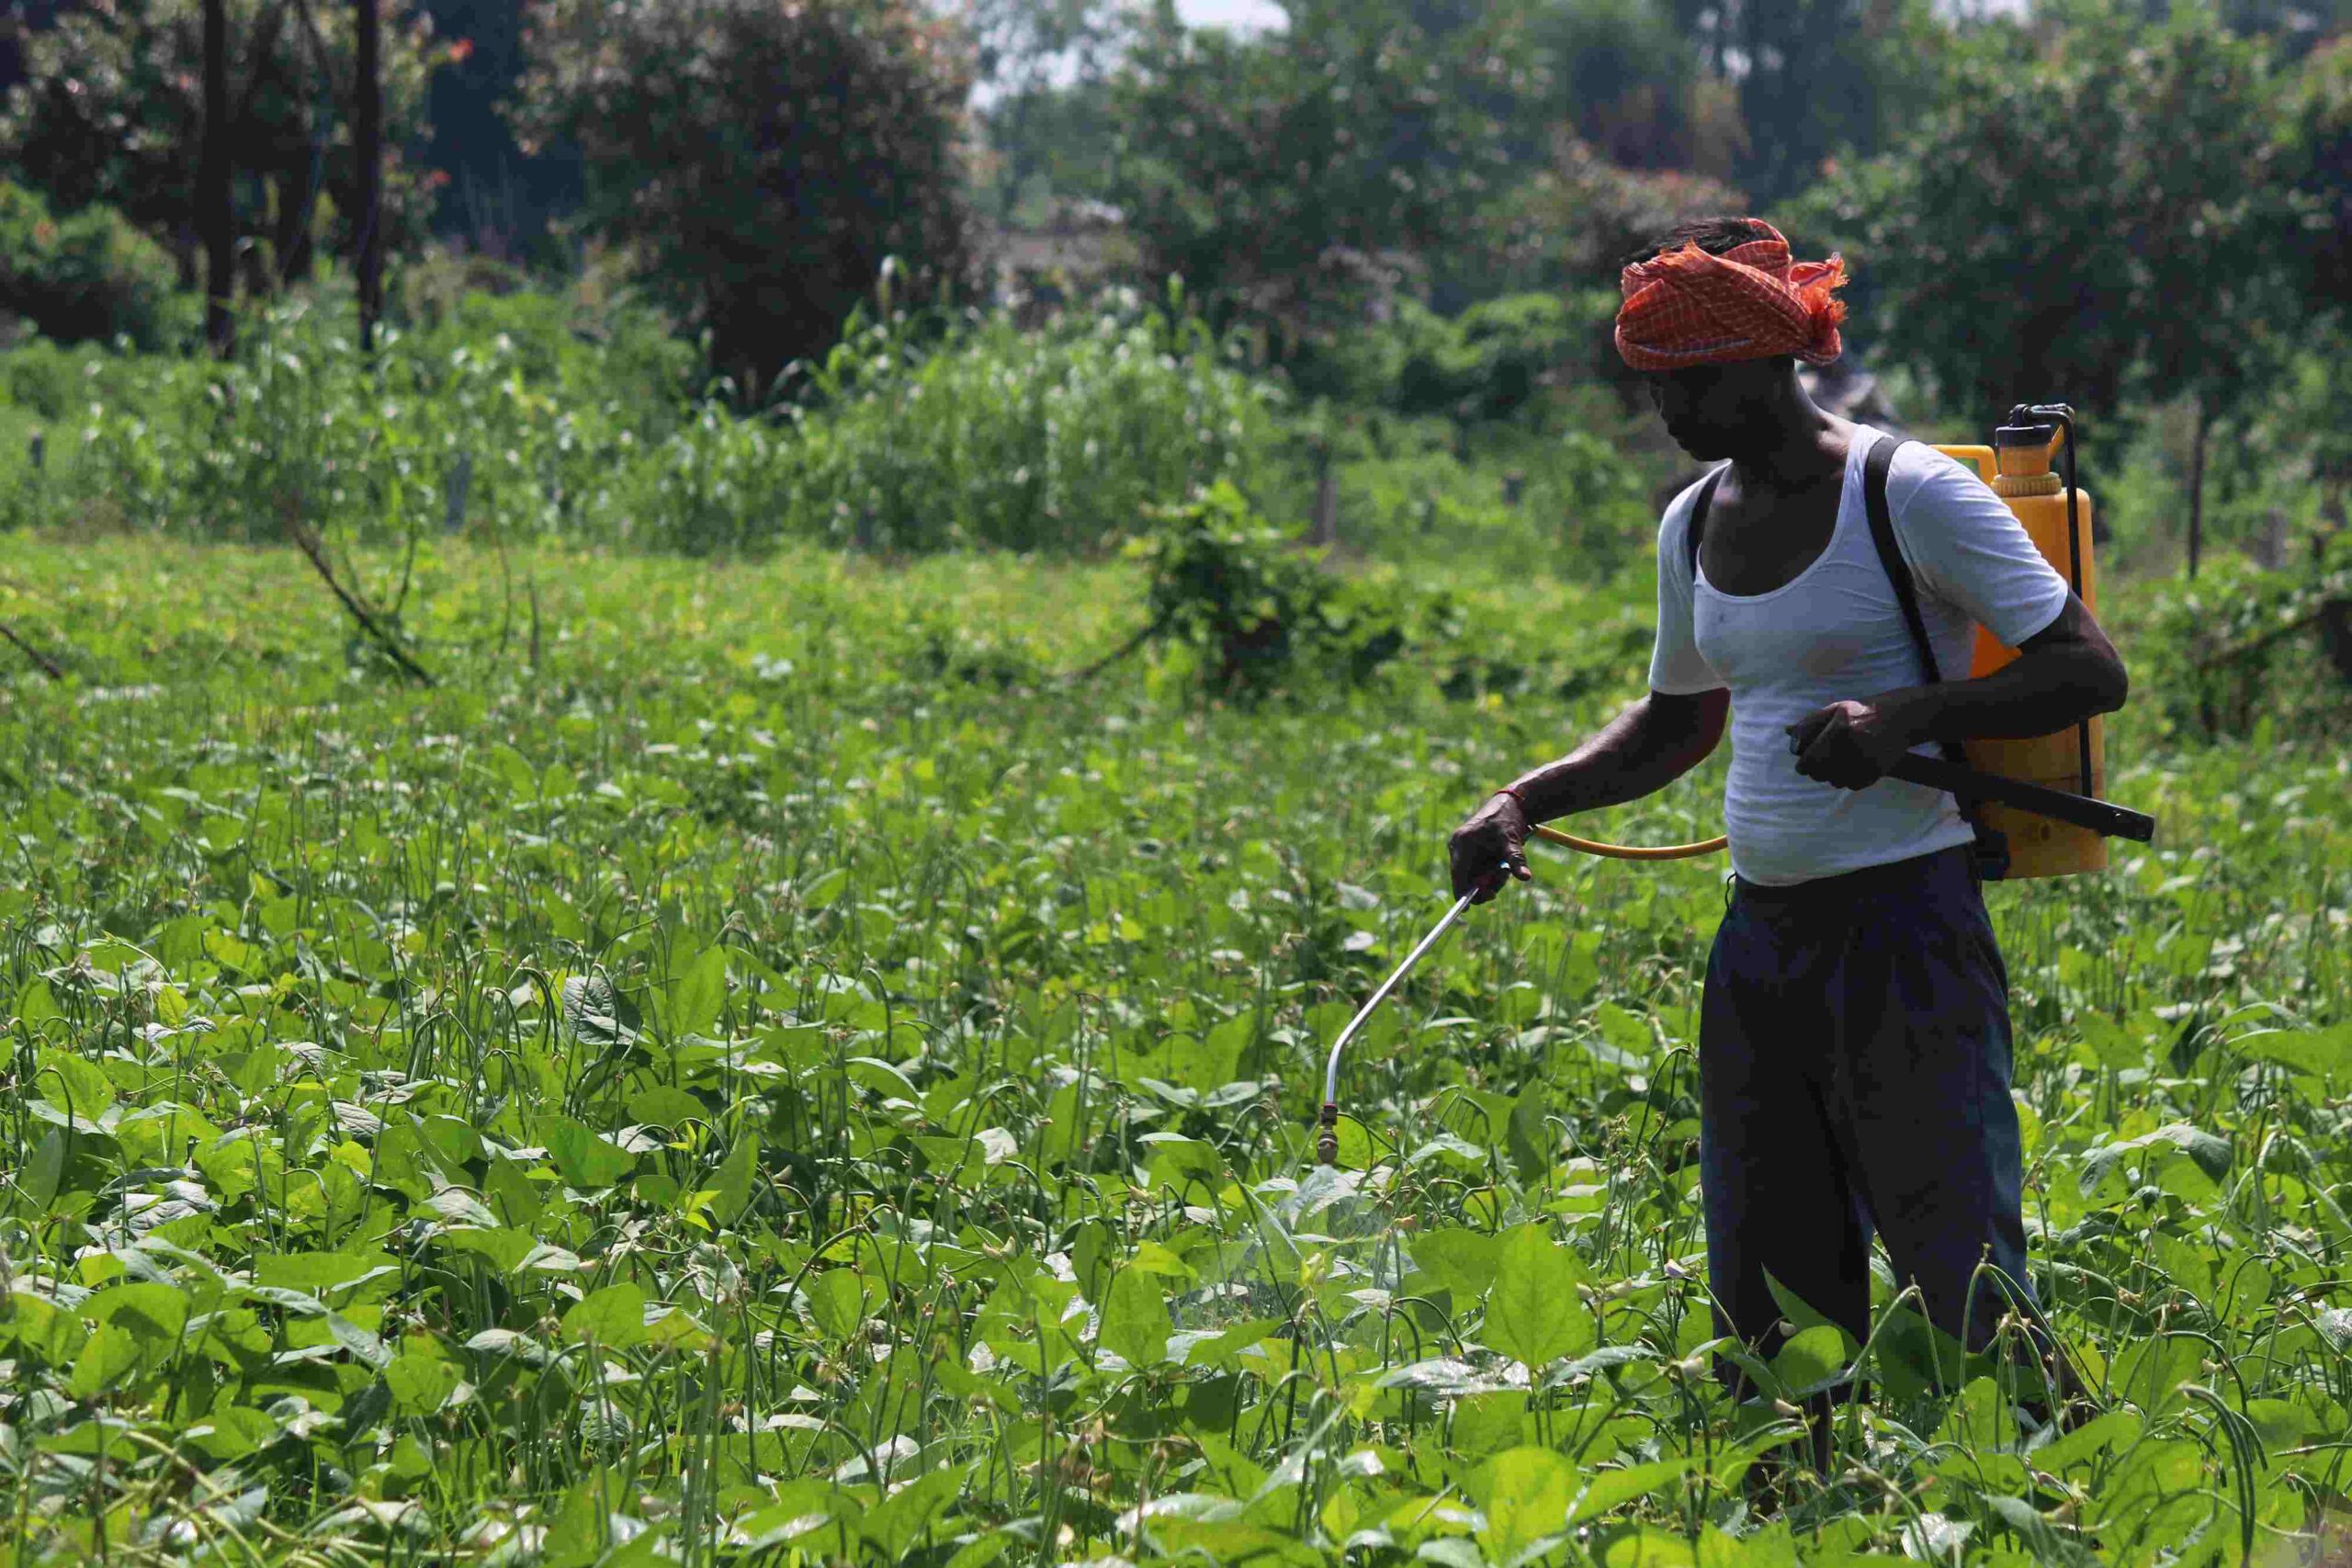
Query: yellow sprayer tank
[(2017, 467)]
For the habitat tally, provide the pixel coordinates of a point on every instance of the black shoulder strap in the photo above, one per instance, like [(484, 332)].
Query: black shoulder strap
[(1699, 515), (1890, 557), (1991, 850)]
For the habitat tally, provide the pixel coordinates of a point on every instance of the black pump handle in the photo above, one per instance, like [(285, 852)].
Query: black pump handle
[(2103, 817)]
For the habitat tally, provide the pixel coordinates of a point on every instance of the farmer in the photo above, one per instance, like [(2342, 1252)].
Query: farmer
[(1854, 1047)]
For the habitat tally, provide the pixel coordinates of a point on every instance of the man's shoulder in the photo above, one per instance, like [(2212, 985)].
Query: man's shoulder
[(1675, 520), (1919, 472)]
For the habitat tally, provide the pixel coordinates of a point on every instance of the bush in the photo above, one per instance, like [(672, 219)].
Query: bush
[(2238, 652), (87, 276), (764, 160), (1491, 360), (1053, 439), (577, 423), (1488, 363), (539, 419), (1258, 611)]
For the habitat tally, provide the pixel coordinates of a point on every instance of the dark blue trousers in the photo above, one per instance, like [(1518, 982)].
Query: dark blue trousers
[(1854, 1079)]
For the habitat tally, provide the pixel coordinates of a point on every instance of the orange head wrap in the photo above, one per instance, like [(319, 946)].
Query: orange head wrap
[(1686, 307)]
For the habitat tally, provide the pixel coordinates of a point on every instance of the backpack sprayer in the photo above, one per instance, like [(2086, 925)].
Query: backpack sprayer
[(2021, 787)]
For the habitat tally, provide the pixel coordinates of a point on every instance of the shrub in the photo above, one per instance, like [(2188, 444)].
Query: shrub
[(1255, 609), (578, 425), (89, 275), (2238, 650), (1491, 360), (1053, 439), (763, 159), (539, 419)]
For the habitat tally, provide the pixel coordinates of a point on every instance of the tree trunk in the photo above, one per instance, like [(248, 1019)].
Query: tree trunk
[(213, 215), (368, 130), (1324, 529), (2204, 428)]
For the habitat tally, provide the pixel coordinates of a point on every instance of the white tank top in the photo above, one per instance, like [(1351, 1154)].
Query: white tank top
[(1836, 631)]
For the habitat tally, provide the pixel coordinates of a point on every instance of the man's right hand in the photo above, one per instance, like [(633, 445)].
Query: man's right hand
[(1490, 839)]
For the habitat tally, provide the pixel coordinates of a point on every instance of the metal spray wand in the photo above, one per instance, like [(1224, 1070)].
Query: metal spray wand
[(1326, 1146)]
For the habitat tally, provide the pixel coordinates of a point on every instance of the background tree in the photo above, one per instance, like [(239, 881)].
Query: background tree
[(1030, 59), (367, 117), (498, 200), (2111, 195), (112, 111), (1286, 175), (1626, 83), (1820, 79), (215, 213), (762, 160), (2315, 134)]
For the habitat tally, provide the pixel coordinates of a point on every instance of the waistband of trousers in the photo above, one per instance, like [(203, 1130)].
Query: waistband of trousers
[(1847, 884)]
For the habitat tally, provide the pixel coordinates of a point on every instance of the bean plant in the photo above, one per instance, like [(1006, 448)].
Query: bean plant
[(774, 1075)]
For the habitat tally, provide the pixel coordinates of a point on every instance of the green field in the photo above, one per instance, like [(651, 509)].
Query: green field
[(753, 1066)]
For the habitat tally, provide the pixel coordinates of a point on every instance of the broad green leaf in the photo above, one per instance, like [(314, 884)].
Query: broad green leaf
[(612, 1318), (44, 1331), (585, 1158), (1526, 1494), (1461, 1261), (1135, 1319), (2322, 1053), (420, 1385), (690, 1001), (1614, 1488), (665, 1107), (1811, 1361), (737, 1178), (837, 1301), (231, 1432), (902, 1520), (44, 1174), (1533, 1313), (108, 1356), (1485, 1423), (150, 1314)]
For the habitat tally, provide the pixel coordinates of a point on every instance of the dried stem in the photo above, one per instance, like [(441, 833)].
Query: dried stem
[(48, 666), (310, 544)]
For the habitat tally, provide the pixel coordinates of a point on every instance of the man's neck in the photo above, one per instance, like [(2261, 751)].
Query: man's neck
[(1797, 447)]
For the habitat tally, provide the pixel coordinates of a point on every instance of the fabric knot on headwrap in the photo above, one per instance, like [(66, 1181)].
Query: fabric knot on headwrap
[(1687, 307)]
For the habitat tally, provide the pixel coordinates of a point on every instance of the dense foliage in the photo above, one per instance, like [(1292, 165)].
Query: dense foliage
[(1258, 614), (550, 418), (90, 275), (113, 102), (764, 158), (808, 1055), (1375, 124), (724, 1091), (2121, 192)]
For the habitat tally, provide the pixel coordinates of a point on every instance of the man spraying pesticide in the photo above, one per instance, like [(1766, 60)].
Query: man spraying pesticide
[(1854, 1039)]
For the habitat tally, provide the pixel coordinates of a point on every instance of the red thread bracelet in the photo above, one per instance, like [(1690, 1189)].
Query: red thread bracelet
[(1523, 811)]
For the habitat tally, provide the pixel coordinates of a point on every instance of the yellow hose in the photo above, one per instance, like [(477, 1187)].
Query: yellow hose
[(1628, 852)]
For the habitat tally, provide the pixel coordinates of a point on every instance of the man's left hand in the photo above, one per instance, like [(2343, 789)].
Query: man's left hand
[(1851, 744)]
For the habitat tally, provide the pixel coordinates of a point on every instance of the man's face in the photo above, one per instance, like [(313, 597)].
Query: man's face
[(1709, 409)]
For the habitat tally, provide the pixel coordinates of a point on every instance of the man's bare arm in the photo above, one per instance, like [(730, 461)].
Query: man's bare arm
[(2063, 673), (1655, 741)]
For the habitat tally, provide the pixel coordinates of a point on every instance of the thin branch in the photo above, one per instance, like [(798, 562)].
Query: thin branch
[(1080, 676), (48, 667), (2258, 643), (368, 623)]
